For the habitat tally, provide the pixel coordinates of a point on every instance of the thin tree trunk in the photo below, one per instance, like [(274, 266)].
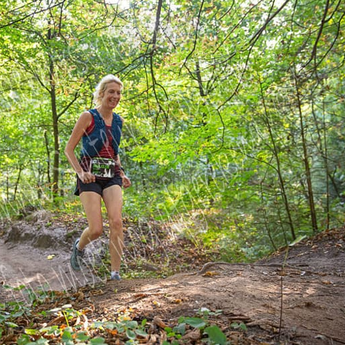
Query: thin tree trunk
[(328, 175), (55, 131), (142, 175), (266, 220), (278, 167), (322, 139), (203, 93), (7, 188), (306, 159), (48, 156), (40, 171), (17, 182)]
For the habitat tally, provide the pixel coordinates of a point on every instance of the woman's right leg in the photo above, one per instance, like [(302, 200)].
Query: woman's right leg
[(92, 206)]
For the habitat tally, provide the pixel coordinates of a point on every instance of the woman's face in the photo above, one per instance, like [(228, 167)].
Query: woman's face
[(112, 95)]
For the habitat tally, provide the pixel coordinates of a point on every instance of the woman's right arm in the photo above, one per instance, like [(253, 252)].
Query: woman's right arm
[(79, 129)]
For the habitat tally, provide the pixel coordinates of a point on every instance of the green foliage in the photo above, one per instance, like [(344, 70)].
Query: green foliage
[(214, 334), (71, 335), (241, 326), (228, 106), (10, 311), (121, 324), (192, 321)]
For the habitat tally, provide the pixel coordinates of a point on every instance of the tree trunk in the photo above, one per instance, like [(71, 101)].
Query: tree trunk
[(278, 166), (55, 131), (17, 182), (203, 93), (306, 159), (7, 188), (266, 220), (322, 139), (48, 156)]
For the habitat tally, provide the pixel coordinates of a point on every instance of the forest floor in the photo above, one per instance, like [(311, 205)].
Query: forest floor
[(295, 296)]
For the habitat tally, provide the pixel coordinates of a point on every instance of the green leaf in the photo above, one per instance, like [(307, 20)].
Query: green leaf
[(195, 322), (216, 335), (98, 341), (131, 324), (241, 325), (11, 324), (23, 340), (82, 336), (140, 332), (297, 240), (31, 331), (17, 314), (130, 334), (97, 324), (49, 330), (42, 341), (181, 328), (66, 336), (109, 325), (3, 317), (18, 288)]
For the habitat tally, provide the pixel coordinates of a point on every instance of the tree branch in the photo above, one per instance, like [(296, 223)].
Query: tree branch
[(323, 21), (235, 27), (76, 95), (158, 16), (269, 19), (30, 15), (196, 36), (333, 42)]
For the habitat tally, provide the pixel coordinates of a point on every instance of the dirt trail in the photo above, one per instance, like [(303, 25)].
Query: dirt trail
[(304, 303), (313, 305), (36, 254), (37, 269)]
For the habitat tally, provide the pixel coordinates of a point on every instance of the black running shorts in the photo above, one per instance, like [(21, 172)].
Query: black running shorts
[(97, 186)]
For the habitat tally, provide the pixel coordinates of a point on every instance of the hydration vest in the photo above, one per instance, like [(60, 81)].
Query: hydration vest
[(94, 141)]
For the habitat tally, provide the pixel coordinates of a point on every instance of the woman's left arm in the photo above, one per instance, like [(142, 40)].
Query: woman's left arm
[(126, 182)]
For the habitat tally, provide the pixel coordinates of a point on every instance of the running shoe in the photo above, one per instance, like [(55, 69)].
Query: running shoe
[(76, 256)]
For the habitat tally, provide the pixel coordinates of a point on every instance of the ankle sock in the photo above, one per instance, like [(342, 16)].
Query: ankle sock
[(77, 246)]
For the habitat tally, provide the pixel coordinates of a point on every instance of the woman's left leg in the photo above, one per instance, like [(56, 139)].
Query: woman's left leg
[(112, 197)]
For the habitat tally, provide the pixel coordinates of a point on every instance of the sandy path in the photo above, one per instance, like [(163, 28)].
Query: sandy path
[(24, 265)]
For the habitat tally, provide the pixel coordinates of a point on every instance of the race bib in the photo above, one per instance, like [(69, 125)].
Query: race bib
[(103, 167)]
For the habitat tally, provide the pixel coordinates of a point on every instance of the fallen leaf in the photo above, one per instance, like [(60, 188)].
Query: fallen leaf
[(79, 296), (140, 295), (159, 322), (157, 304), (153, 339), (112, 331), (210, 274), (193, 335), (97, 292), (56, 321), (177, 301)]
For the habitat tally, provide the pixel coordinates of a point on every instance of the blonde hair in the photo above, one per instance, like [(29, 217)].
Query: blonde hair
[(102, 86)]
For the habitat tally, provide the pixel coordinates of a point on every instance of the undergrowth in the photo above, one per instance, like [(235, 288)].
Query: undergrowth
[(67, 325)]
